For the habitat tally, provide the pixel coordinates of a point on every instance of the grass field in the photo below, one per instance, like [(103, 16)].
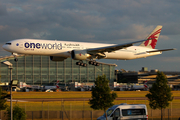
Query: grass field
[(79, 105), (84, 106), (85, 94)]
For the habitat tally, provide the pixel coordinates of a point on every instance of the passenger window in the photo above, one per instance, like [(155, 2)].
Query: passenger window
[(133, 112)]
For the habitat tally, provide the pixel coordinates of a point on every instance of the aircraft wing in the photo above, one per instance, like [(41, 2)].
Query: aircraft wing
[(160, 50), (111, 48)]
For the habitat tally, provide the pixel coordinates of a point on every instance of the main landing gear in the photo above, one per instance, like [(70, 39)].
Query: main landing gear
[(94, 63), (80, 63)]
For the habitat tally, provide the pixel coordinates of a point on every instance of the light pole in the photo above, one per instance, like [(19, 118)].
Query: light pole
[(10, 67)]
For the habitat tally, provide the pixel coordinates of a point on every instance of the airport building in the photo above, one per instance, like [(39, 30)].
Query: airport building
[(140, 77), (40, 70)]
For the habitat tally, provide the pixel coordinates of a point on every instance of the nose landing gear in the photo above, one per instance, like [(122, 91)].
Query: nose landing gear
[(15, 56), (15, 59)]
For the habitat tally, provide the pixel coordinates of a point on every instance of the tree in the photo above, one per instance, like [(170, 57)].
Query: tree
[(160, 94), (102, 98), (3, 104), (18, 113)]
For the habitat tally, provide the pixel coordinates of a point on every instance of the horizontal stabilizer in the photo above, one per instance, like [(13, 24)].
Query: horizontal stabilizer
[(160, 50)]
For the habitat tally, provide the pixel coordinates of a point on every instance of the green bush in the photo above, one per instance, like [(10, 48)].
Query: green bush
[(18, 113), (3, 104)]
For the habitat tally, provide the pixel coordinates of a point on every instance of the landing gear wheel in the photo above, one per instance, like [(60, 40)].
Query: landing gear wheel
[(97, 64), (15, 59), (81, 64), (94, 63), (78, 63), (90, 62), (84, 65)]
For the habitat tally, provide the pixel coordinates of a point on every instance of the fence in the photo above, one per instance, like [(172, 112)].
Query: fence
[(80, 110)]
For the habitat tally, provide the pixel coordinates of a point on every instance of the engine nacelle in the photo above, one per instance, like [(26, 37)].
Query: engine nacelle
[(79, 54), (57, 58)]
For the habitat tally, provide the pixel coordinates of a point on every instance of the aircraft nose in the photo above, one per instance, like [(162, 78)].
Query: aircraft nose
[(4, 46)]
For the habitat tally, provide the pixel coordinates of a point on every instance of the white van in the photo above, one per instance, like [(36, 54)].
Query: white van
[(126, 112)]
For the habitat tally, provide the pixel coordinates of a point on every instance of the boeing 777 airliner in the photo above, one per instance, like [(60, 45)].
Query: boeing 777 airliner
[(60, 50)]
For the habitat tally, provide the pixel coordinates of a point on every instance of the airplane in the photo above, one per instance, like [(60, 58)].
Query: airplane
[(140, 87), (61, 50), (52, 87)]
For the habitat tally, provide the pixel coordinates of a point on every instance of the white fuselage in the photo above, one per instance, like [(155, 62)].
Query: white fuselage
[(64, 48)]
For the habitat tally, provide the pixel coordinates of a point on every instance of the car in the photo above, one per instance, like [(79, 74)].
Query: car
[(126, 112)]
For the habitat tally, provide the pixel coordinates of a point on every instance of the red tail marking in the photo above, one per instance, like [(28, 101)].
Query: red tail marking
[(153, 39), (145, 84), (57, 84)]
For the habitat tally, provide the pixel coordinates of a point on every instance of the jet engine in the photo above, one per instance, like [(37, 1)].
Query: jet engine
[(57, 58), (79, 54)]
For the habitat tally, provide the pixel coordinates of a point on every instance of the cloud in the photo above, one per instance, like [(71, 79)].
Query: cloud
[(164, 37), (3, 10), (3, 27), (136, 31), (104, 20), (41, 35), (116, 21)]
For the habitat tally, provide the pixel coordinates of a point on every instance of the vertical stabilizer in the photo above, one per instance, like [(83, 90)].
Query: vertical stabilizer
[(152, 38)]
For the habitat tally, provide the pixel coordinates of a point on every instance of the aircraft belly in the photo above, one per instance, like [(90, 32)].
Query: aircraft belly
[(32, 51), (127, 55), (120, 55), (54, 53)]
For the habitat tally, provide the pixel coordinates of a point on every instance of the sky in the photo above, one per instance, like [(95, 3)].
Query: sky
[(99, 21)]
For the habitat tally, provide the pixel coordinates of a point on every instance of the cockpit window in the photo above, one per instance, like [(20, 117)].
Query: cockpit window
[(8, 43)]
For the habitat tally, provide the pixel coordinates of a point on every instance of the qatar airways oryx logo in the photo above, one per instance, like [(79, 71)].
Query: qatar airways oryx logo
[(43, 45), (153, 38)]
